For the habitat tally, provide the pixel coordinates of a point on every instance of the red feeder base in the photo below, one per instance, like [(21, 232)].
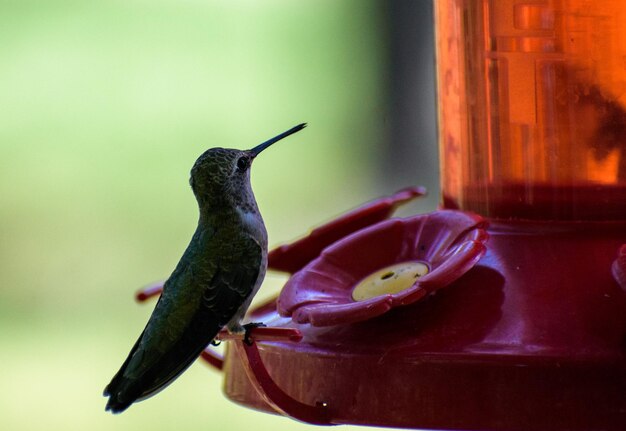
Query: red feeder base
[(532, 338)]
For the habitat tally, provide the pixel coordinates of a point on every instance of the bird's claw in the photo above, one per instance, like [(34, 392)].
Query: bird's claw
[(216, 342), (249, 327)]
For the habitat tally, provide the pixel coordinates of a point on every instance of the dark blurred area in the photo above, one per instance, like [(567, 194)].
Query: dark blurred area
[(409, 150)]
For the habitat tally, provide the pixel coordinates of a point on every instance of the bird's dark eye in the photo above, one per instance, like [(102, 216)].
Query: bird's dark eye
[(243, 163)]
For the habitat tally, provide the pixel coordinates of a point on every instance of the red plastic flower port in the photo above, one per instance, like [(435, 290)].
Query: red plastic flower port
[(392, 263), (293, 257)]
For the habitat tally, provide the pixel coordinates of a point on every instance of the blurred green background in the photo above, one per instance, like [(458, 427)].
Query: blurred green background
[(105, 105)]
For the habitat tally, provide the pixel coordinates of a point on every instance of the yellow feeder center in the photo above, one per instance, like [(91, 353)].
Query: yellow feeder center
[(389, 280)]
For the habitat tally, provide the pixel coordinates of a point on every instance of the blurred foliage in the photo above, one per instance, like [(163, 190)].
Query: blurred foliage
[(105, 105)]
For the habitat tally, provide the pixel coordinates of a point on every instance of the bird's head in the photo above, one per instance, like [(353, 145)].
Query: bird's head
[(221, 176)]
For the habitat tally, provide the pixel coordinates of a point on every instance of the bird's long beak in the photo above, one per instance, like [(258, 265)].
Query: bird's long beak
[(256, 150)]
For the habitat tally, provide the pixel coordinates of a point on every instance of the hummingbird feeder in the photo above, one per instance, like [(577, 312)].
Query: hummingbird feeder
[(504, 310)]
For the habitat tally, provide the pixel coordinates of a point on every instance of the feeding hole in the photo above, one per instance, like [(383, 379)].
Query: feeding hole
[(387, 275)]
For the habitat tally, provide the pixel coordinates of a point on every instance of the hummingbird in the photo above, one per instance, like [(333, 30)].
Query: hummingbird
[(213, 284)]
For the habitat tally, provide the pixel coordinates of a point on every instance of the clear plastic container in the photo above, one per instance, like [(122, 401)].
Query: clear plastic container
[(532, 107)]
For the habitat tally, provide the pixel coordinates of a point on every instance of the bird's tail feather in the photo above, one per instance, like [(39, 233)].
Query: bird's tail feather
[(124, 390)]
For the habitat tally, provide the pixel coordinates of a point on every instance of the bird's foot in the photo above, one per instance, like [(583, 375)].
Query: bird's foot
[(249, 327)]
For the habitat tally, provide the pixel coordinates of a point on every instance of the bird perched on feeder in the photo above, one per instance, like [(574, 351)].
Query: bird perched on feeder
[(212, 285)]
